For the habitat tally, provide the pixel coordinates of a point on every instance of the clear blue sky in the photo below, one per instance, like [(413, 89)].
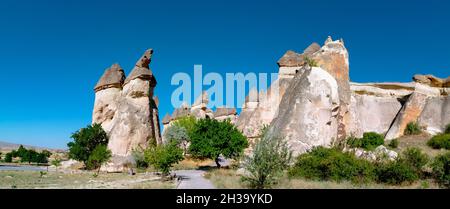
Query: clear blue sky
[(53, 52)]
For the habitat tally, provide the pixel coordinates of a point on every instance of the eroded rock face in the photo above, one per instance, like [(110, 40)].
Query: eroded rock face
[(436, 114), (127, 111), (307, 114), (432, 80), (107, 95), (370, 113), (333, 57), (410, 112)]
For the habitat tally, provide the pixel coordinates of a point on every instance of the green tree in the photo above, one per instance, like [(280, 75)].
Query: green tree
[(212, 138), (21, 152), (1, 155), (8, 157), (99, 155), (187, 122), (56, 162), (162, 157), (268, 161), (179, 135), (85, 141)]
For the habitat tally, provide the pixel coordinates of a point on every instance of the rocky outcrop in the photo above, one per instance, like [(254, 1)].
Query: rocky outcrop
[(435, 115), (308, 114), (369, 113), (127, 111), (333, 57), (308, 111), (107, 96), (432, 80)]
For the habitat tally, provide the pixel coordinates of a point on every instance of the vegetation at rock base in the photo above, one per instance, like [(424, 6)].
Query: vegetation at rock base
[(415, 158), (179, 135), (440, 141), (441, 169), (393, 143), (332, 164), (369, 141), (211, 138), (447, 129), (99, 155), (86, 140), (163, 157), (412, 128), (139, 158), (270, 158)]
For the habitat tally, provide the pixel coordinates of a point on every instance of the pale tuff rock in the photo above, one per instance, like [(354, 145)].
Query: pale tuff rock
[(370, 113), (127, 112), (166, 119), (224, 113), (107, 95), (379, 154), (410, 112), (308, 111), (436, 114), (333, 57), (302, 108)]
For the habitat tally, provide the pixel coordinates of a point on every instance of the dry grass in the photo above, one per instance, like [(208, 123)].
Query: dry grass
[(192, 164), (419, 141), (229, 179), (84, 180)]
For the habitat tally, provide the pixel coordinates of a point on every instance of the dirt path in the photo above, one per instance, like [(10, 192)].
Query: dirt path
[(193, 179)]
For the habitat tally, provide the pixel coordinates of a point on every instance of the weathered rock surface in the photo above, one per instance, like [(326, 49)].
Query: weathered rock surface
[(370, 113), (127, 111), (308, 111), (436, 114), (107, 95), (333, 57), (432, 80), (410, 112), (299, 115), (379, 154)]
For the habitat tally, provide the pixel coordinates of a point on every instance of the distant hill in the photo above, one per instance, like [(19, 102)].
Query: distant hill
[(6, 146)]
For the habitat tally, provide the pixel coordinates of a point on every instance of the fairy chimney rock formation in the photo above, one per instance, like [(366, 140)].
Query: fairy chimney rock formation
[(134, 122)]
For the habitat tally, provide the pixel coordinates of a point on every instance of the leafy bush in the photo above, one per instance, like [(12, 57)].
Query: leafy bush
[(56, 162), (396, 172), (447, 129), (187, 123), (332, 164), (162, 157), (139, 158), (415, 158), (8, 157), (393, 143), (412, 128), (85, 141), (369, 141), (440, 141), (311, 62), (270, 157), (99, 155), (179, 135), (441, 169), (211, 138)]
